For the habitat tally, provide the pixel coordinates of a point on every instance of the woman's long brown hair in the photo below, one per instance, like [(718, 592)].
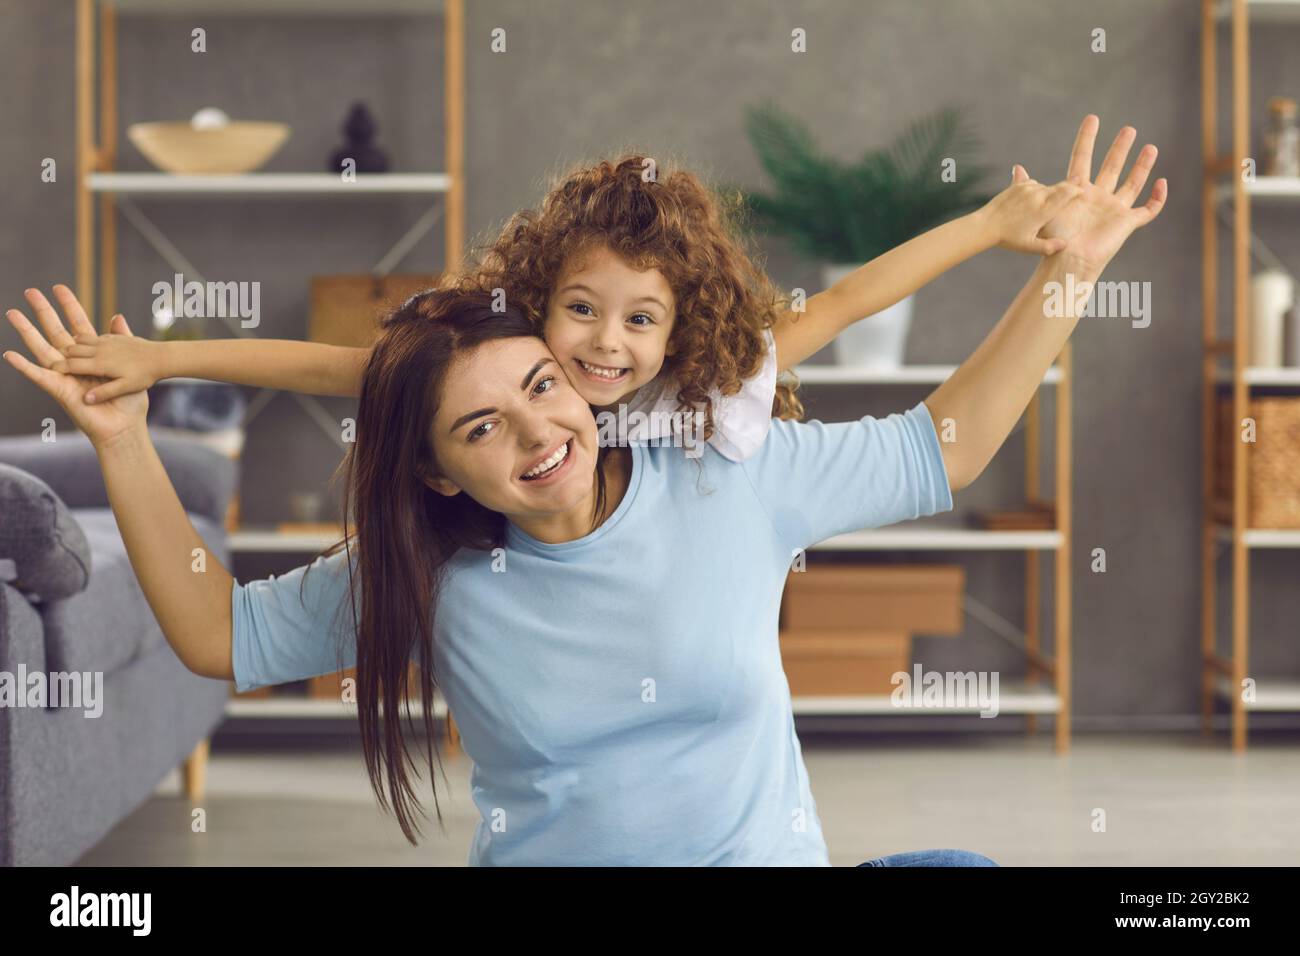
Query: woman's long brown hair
[(400, 534)]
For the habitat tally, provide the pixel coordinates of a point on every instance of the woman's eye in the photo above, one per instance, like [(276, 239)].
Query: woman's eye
[(477, 433), (548, 380)]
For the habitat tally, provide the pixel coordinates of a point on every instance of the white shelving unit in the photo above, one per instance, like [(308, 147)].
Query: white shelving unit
[(907, 538), (1276, 694), (1263, 537), (1255, 375), (277, 185), (1014, 697), (1282, 189), (914, 536), (305, 708), (1028, 697), (903, 375)]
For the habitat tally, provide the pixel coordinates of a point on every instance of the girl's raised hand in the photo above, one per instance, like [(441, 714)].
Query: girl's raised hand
[(128, 364), (1017, 215), (102, 421)]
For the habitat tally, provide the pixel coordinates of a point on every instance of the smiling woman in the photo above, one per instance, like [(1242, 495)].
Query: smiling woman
[(604, 729)]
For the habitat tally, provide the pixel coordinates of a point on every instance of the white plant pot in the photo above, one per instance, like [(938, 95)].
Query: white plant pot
[(878, 341)]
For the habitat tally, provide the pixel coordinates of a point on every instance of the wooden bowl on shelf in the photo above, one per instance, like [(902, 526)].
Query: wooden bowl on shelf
[(238, 147)]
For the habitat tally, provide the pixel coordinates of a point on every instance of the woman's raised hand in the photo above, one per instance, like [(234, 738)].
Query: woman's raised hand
[(1099, 220), (102, 421)]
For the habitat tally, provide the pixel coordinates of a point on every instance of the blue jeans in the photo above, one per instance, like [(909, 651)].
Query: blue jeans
[(932, 858)]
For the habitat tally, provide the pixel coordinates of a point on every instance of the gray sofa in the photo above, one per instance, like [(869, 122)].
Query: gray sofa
[(66, 779)]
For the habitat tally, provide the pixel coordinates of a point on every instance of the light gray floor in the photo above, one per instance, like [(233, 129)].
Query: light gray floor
[(1168, 799)]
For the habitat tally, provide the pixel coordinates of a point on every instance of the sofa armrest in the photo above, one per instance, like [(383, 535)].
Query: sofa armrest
[(205, 479)]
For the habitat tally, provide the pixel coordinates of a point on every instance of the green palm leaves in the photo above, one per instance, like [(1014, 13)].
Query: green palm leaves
[(843, 213)]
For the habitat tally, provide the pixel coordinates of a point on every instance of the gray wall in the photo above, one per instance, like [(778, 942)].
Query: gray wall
[(582, 79)]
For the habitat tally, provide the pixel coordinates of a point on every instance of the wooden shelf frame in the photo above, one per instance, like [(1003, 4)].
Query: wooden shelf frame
[(1031, 697), (96, 94), (1222, 677)]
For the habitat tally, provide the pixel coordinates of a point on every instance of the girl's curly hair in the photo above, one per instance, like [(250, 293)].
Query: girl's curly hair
[(651, 218)]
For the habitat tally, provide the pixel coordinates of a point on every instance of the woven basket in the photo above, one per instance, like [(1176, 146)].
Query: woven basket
[(1272, 462)]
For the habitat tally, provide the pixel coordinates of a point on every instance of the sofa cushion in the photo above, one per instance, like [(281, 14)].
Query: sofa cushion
[(49, 553), (204, 479), (109, 624)]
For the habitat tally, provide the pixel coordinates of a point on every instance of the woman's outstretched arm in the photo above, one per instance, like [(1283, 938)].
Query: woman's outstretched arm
[(982, 401), (187, 587)]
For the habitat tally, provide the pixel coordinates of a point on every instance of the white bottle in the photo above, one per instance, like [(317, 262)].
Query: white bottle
[(1272, 293)]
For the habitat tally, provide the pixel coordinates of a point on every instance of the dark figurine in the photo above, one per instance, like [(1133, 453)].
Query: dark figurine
[(360, 130)]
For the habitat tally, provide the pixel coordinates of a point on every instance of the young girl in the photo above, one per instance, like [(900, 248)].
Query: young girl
[(644, 292), (604, 634)]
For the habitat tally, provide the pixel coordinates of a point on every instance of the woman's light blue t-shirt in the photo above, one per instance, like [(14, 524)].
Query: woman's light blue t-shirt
[(621, 695)]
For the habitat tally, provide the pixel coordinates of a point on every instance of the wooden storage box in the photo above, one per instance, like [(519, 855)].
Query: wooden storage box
[(346, 309), (822, 662), (1272, 462), (914, 599)]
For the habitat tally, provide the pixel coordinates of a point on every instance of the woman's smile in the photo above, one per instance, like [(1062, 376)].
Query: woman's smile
[(552, 467)]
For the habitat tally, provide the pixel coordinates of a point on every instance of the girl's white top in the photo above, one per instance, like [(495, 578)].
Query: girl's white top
[(740, 421)]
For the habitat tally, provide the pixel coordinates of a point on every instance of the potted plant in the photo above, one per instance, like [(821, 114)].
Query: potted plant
[(846, 214)]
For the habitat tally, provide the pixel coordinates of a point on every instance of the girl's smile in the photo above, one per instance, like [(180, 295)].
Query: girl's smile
[(602, 374)]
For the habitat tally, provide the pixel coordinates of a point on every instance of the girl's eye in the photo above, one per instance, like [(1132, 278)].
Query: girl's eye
[(585, 310)]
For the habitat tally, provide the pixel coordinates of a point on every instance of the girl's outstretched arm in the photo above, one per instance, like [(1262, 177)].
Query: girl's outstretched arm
[(131, 364), (186, 586), (984, 398), (310, 367), (1011, 219)]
